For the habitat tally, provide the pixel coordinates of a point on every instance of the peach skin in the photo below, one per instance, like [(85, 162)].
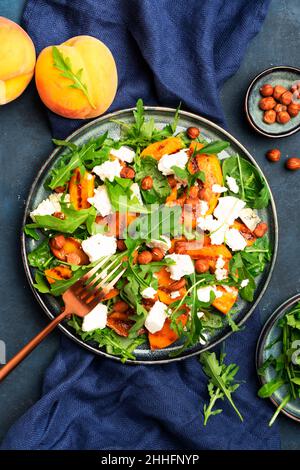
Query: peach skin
[(90, 67), (17, 59)]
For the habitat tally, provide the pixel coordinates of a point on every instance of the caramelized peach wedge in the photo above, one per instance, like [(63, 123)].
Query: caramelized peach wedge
[(181, 215)]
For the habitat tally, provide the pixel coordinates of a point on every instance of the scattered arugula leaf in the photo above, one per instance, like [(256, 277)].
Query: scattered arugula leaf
[(71, 222), (63, 64), (40, 283), (221, 382)]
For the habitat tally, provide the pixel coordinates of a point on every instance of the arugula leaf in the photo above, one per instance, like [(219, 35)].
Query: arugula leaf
[(30, 231), (221, 382), (269, 388), (121, 197), (191, 178), (240, 273), (40, 257), (71, 222), (256, 256), (93, 153), (111, 341), (252, 186), (161, 188), (213, 147), (40, 283), (65, 143), (63, 64), (163, 220)]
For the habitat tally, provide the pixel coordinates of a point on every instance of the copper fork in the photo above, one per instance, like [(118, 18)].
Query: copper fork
[(79, 300)]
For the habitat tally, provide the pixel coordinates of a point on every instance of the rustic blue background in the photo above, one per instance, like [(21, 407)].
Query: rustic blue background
[(24, 145)]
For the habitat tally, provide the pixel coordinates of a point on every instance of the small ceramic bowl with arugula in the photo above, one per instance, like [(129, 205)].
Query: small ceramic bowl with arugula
[(192, 220), (278, 359)]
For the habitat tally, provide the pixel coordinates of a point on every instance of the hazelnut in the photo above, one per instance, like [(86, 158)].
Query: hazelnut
[(295, 87), (293, 109), (267, 103), (172, 181), (58, 242), (201, 266), (273, 155), (280, 107), (293, 164), (286, 98), (157, 254), (120, 306), (193, 192), (59, 215), (60, 189), (278, 91), (121, 245), (101, 220), (269, 116), (260, 229), (145, 257), (193, 132), (266, 90), (177, 285), (283, 117), (127, 172), (147, 183)]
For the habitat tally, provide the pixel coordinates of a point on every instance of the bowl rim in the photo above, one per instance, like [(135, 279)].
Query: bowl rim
[(246, 106), (279, 312), (185, 354)]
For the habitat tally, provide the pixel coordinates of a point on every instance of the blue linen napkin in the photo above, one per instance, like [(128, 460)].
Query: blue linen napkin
[(166, 51)]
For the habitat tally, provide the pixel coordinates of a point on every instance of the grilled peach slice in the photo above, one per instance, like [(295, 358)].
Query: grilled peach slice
[(166, 146), (81, 188)]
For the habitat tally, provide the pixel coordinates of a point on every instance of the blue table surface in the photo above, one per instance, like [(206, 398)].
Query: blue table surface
[(26, 142)]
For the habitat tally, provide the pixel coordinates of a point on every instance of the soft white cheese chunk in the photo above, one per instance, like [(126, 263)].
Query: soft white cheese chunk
[(175, 294), (149, 293), (235, 240), (244, 283), (164, 243), (95, 319), (228, 209), (167, 161), (99, 245), (101, 201), (200, 314), (124, 153), (135, 192), (156, 317), (220, 272), (250, 218), (108, 170), (218, 235), (183, 266), (203, 293), (203, 207), (232, 184), (50, 205), (217, 188)]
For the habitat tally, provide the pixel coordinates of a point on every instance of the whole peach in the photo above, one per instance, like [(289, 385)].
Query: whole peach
[(98, 74), (17, 60)]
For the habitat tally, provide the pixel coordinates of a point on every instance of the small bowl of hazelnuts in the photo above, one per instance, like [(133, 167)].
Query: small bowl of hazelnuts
[(272, 102)]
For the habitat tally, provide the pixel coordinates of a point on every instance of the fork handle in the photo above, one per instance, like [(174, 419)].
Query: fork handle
[(24, 352)]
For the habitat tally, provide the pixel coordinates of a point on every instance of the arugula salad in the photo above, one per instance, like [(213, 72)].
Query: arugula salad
[(283, 361), (180, 213)]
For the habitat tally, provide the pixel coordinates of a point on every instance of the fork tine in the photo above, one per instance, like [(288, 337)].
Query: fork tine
[(99, 293), (95, 284), (89, 276)]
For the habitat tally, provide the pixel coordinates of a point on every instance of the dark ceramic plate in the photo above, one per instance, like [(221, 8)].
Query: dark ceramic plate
[(283, 75), (270, 333), (162, 116)]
